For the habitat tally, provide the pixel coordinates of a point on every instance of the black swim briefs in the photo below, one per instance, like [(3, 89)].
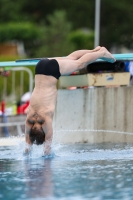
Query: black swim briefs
[(48, 67)]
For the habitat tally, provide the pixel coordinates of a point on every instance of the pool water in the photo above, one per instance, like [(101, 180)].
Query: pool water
[(77, 172)]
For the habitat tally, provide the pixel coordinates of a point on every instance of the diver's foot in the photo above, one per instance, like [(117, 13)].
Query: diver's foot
[(97, 48), (107, 56)]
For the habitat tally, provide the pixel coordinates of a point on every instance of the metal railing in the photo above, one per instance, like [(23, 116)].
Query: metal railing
[(17, 124)]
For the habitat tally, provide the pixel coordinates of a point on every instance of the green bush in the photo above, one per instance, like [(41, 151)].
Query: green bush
[(18, 31), (28, 33), (54, 38), (82, 39)]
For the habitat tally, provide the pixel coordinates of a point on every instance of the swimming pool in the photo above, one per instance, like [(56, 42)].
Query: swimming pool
[(77, 172)]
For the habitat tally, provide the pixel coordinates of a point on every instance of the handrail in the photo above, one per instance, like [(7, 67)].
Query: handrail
[(17, 124), (11, 124), (30, 76)]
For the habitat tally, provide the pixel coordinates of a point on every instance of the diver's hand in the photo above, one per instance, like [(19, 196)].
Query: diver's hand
[(28, 149), (47, 147), (47, 150), (26, 152), (48, 153)]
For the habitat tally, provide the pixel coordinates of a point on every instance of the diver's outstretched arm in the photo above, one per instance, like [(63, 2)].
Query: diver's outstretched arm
[(28, 144), (48, 130)]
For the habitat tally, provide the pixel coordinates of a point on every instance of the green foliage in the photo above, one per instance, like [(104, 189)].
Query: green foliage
[(18, 31), (79, 13), (116, 23), (115, 20), (8, 58), (26, 32), (82, 39), (11, 11), (54, 40)]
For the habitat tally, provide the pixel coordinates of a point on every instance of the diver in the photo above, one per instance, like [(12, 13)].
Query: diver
[(38, 124)]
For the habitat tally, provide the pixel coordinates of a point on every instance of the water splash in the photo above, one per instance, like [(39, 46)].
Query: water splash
[(65, 151), (92, 130)]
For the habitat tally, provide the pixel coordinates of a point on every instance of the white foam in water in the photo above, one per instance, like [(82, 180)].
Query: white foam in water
[(68, 152)]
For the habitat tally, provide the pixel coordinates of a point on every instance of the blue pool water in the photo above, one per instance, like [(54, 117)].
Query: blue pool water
[(77, 172)]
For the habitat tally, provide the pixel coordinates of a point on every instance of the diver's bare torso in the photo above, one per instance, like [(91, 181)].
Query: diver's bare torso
[(43, 101), (44, 95)]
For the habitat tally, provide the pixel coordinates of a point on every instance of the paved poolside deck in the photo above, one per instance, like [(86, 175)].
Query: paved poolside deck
[(10, 141)]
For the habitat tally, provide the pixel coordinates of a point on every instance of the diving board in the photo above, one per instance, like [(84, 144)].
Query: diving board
[(34, 61)]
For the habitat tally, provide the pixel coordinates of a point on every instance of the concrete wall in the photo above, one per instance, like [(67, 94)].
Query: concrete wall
[(94, 109)]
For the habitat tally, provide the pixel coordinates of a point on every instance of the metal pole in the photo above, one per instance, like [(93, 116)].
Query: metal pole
[(21, 83), (13, 85), (97, 22), (5, 89)]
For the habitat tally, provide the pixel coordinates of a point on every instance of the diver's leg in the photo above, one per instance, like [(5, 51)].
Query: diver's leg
[(69, 66), (79, 53)]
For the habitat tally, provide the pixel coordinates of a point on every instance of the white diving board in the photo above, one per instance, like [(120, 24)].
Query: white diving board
[(34, 61)]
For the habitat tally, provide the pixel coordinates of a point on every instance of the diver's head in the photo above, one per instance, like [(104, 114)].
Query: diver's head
[(37, 135)]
